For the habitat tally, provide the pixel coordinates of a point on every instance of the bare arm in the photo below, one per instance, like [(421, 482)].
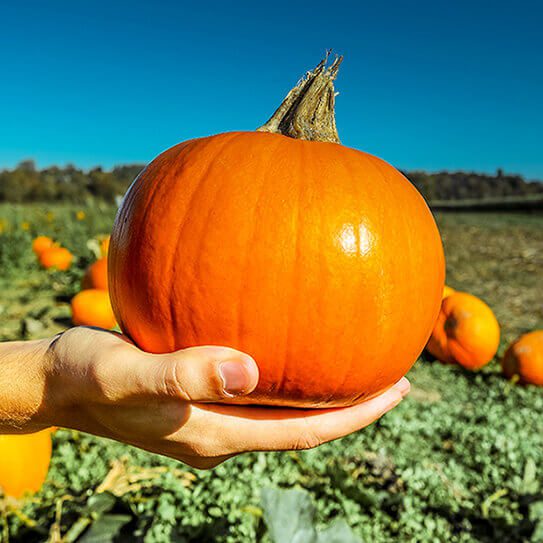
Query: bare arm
[(22, 386), (98, 382)]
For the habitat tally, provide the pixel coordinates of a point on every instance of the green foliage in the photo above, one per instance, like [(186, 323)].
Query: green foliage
[(460, 460), (20, 224), (14, 253), (27, 184)]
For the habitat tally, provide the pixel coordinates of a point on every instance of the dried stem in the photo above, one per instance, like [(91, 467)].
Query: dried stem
[(307, 112)]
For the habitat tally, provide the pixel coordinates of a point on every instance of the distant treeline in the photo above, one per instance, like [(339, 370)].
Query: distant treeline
[(472, 186), (25, 183)]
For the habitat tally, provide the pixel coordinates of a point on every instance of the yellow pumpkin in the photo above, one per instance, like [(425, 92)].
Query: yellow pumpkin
[(24, 462)]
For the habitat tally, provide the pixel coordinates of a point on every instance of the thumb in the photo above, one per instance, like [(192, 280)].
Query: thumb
[(107, 365), (205, 374)]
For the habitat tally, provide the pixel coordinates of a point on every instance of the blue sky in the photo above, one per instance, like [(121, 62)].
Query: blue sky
[(424, 85)]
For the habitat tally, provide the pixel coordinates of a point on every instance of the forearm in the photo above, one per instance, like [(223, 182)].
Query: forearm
[(24, 402)]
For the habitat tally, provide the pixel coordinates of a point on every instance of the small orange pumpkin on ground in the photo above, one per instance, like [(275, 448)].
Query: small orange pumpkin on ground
[(92, 308), (524, 357), (56, 257), (24, 462), (466, 332), (447, 291), (96, 275), (41, 243)]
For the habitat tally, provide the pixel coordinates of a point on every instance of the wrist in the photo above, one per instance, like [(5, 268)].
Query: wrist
[(26, 404)]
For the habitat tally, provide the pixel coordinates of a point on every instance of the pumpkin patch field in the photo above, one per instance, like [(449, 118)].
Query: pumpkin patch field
[(460, 460)]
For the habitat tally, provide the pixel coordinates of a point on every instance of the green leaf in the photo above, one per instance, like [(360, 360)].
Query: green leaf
[(537, 536), (101, 503), (105, 529), (338, 532), (529, 479), (487, 504), (536, 511), (289, 515)]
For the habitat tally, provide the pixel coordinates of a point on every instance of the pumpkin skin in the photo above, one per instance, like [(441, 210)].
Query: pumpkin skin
[(24, 464), (524, 357), (92, 308), (466, 332), (322, 262), (447, 291), (41, 243), (96, 275), (56, 257)]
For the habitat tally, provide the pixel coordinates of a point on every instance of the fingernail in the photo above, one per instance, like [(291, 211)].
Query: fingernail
[(236, 377), (403, 386)]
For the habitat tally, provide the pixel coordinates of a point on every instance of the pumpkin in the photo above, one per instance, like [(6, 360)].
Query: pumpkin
[(466, 332), (524, 358), (24, 462), (447, 291), (56, 257), (41, 243), (96, 275), (322, 262), (92, 308), (104, 246)]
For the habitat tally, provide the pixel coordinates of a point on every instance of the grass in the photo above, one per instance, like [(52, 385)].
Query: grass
[(461, 460)]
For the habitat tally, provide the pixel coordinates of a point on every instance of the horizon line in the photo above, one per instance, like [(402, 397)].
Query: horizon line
[(494, 173)]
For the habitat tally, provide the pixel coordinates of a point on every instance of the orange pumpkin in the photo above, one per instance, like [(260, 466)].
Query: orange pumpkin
[(524, 358), (447, 291), (41, 243), (322, 262), (96, 275), (24, 462), (92, 308), (56, 257), (466, 332)]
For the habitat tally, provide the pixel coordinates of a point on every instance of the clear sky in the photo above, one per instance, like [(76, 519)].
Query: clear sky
[(424, 84)]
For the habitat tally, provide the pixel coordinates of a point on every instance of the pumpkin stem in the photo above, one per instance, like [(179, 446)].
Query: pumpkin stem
[(307, 112)]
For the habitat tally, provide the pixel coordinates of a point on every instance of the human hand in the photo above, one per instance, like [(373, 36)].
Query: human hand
[(98, 382)]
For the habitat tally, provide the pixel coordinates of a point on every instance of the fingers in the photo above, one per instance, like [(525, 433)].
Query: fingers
[(261, 429)]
